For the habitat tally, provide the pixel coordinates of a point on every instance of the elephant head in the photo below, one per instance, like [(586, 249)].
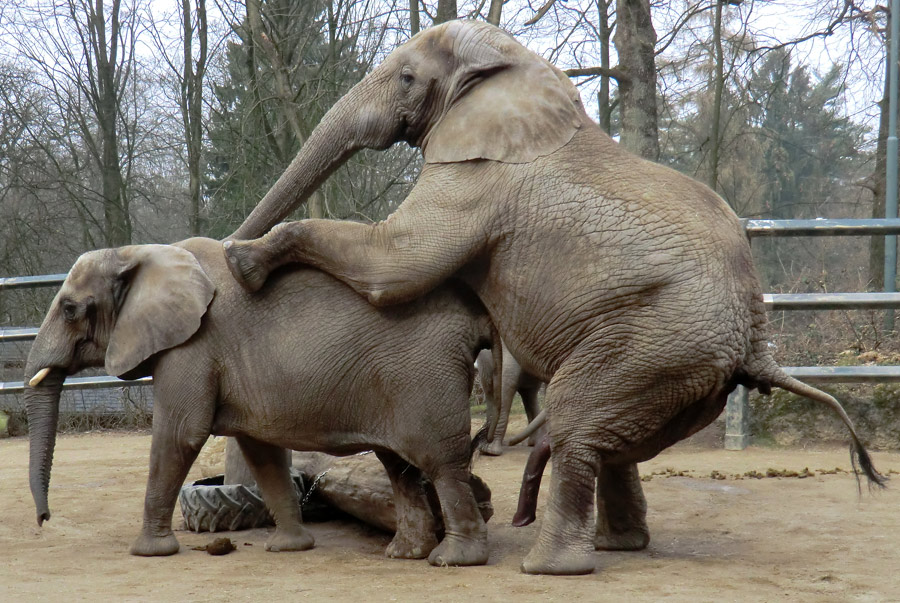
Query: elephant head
[(456, 91), (117, 307)]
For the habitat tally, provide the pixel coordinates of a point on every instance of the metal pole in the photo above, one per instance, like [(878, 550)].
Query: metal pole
[(890, 201)]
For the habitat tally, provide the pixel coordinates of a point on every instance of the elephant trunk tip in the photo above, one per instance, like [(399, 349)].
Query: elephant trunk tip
[(42, 517)]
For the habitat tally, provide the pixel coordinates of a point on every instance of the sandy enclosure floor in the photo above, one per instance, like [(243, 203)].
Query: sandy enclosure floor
[(771, 539)]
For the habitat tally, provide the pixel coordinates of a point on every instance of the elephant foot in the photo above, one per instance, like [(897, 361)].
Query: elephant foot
[(457, 551), (635, 539), (558, 561), (290, 540), (155, 546), (405, 546), (245, 268), (494, 448)]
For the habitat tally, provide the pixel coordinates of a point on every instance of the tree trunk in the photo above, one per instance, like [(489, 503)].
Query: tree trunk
[(316, 204), (446, 11), (604, 109), (635, 41), (494, 13), (192, 105), (718, 85), (878, 185), (117, 222), (413, 17)]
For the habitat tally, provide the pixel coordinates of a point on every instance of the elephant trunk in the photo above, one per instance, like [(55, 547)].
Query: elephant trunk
[(45, 372), (360, 119), (42, 409)]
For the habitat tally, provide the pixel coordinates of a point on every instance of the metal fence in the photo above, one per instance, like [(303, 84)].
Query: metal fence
[(22, 334), (737, 410), (737, 433)]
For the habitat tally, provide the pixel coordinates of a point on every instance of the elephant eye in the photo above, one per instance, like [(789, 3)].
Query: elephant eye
[(406, 80), (70, 310)]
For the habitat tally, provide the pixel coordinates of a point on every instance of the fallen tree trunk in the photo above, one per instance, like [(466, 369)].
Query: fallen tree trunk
[(356, 485)]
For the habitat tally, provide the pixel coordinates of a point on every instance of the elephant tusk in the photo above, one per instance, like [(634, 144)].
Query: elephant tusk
[(38, 377), (530, 429)]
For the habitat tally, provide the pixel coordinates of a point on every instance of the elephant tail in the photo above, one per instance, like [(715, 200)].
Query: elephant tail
[(489, 338), (762, 372), (859, 457), (497, 378), (478, 440)]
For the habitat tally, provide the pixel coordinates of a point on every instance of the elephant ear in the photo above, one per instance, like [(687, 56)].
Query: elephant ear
[(505, 103), (162, 294)]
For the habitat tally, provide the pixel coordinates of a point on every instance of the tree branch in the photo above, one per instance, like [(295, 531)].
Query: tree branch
[(541, 12), (614, 72)]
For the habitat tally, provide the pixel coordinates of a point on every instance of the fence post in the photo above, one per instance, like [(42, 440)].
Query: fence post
[(737, 419), (890, 203)]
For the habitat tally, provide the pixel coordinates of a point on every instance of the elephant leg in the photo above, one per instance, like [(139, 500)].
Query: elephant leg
[(389, 262), (270, 469), (415, 536), (621, 509), (465, 533), (495, 448), (565, 542), (175, 445), (493, 407)]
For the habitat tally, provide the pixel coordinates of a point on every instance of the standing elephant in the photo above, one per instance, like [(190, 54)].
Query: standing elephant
[(304, 364), (627, 286), (514, 380)]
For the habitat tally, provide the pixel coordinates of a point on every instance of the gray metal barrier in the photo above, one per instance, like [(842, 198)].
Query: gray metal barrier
[(737, 433), (18, 334), (737, 410)]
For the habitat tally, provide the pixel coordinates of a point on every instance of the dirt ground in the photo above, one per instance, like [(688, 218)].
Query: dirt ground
[(749, 539)]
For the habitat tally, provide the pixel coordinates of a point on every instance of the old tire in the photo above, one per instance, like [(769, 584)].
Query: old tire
[(216, 508), (209, 506)]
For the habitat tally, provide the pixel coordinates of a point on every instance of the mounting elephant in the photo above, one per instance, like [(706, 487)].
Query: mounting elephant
[(498, 404), (304, 364), (627, 286)]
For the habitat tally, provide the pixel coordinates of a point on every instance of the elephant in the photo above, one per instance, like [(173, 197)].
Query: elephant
[(627, 286), (304, 364), (612, 513), (513, 380)]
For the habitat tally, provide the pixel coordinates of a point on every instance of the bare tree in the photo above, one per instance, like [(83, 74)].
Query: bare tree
[(635, 41), (413, 17), (274, 49), (191, 104), (604, 32), (446, 11), (85, 52), (494, 12)]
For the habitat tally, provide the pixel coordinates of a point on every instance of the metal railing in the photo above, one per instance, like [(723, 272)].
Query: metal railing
[(737, 410), (18, 334), (103, 382), (30, 282)]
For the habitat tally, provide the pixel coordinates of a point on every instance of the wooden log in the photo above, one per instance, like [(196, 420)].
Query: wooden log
[(359, 486)]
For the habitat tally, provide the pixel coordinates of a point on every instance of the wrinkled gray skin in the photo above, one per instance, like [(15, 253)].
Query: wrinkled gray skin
[(304, 364), (621, 506), (628, 287), (514, 380)]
